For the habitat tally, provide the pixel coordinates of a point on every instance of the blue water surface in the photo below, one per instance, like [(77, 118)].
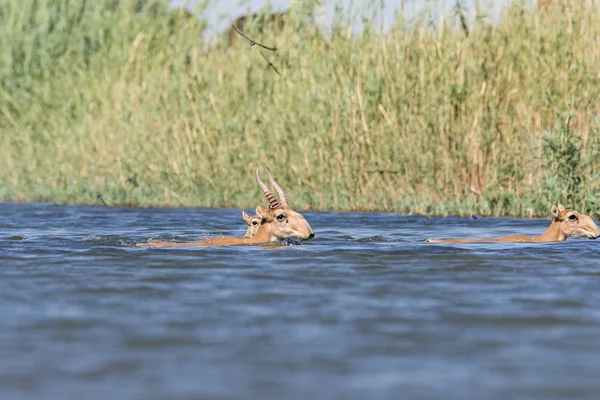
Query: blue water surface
[(367, 309)]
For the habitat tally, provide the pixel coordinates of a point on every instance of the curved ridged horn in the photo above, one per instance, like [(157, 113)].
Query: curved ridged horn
[(278, 189), (273, 203)]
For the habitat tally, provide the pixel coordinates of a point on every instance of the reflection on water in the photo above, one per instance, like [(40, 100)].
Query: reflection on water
[(366, 309)]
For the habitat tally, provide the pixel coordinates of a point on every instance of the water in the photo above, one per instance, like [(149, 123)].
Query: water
[(365, 310)]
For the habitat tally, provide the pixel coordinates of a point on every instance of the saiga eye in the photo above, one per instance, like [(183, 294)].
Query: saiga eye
[(280, 217)]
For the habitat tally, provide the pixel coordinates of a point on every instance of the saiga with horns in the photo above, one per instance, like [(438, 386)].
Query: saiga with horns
[(278, 222)]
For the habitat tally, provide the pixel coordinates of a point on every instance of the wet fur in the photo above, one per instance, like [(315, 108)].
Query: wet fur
[(276, 224), (565, 223)]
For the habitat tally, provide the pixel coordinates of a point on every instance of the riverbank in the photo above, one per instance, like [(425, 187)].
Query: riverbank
[(125, 105)]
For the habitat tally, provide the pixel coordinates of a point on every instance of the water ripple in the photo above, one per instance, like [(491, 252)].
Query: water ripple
[(365, 310)]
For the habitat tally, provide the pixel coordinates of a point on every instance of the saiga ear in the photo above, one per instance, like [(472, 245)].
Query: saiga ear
[(262, 213), (245, 216), (561, 208), (555, 212)]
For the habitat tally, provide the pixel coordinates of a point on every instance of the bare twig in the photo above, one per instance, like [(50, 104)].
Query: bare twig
[(270, 65), (252, 42), (459, 9), (383, 171), (99, 197)]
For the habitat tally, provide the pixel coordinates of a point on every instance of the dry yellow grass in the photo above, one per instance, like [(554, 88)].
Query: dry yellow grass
[(129, 103)]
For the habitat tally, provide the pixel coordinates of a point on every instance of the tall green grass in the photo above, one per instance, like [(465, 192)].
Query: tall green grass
[(123, 99)]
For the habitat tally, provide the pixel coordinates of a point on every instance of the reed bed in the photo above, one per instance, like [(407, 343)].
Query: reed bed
[(123, 100)]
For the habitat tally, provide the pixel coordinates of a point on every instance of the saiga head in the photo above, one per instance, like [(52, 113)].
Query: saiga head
[(573, 223), (283, 221), (253, 224)]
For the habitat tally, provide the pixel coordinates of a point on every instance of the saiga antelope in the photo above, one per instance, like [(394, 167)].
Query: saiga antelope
[(565, 223), (253, 224), (278, 222)]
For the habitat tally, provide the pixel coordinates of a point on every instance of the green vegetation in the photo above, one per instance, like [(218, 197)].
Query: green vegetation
[(122, 98)]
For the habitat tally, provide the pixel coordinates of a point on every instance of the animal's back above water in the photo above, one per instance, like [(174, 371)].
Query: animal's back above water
[(565, 223), (515, 239), (224, 241), (278, 222)]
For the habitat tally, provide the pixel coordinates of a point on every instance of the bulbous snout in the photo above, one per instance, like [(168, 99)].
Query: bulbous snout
[(594, 232), (304, 231), (590, 229)]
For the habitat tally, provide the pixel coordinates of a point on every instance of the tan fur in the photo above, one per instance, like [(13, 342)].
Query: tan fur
[(565, 223), (278, 222), (253, 224)]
